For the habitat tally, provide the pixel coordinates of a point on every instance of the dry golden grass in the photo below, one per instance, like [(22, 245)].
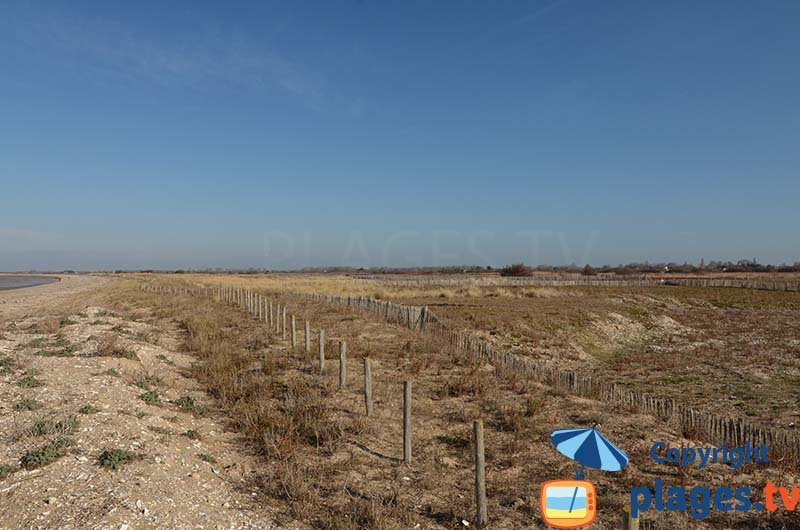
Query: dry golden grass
[(49, 325), (333, 468)]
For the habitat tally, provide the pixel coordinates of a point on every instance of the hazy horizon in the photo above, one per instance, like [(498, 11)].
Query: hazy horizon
[(281, 136)]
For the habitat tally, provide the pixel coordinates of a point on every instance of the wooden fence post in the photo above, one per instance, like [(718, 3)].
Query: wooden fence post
[(480, 473), (406, 422), (283, 324), (294, 332), (308, 336), (321, 350), (342, 364), (629, 522), (367, 386)]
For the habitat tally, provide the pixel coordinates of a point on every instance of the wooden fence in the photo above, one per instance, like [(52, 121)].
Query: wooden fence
[(783, 444), (711, 427), (580, 280)]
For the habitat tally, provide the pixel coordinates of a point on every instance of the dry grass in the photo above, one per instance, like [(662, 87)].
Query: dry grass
[(110, 345), (333, 468), (49, 325)]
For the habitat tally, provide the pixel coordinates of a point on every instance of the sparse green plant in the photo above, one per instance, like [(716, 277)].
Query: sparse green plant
[(45, 454), (28, 404), (147, 378), (67, 351), (191, 434), (49, 426), (35, 343), (205, 457), (116, 458), (159, 430), (458, 442), (187, 403), (151, 397), (5, 470), (7, 365), (71, 349), (60, 341), (30, 381), (112, 372), (166, 360), (66, 321), (88, 409)]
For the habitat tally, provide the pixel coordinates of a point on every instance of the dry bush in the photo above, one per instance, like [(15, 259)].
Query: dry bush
[(109, 345), (361, 511), (473, 383), (516, 269), (49, 325)]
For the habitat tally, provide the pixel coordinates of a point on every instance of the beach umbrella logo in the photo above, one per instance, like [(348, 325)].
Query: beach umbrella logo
[(573, 503), (589, 448)]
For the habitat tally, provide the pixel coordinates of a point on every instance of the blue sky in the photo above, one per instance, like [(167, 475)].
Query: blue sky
[(288, 134)]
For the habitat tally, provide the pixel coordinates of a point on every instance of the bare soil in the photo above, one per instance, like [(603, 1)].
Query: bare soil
[(167, 483)]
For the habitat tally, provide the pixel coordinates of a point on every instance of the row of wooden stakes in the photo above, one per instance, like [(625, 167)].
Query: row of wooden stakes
[(284, 324)]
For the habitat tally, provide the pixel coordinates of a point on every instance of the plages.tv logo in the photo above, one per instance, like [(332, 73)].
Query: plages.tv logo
[(573, 503)]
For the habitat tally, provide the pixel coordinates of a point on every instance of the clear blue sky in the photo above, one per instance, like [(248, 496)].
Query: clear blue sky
[(201, 134)]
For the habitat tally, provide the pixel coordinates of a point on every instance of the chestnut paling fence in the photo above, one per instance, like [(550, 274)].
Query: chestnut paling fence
[(783, 444), (561, 280)]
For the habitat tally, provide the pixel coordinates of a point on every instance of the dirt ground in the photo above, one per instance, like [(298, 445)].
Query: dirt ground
[(95, 398), (59, 391)]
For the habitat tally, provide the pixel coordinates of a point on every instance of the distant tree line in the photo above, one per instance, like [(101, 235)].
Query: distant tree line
[(743, 265)]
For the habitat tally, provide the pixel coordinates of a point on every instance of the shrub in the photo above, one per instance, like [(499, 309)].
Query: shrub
[(116, 458), (28, 404), (45, 454), (45, 427), (159, 430), (5, 470), (191, 434), (88, 409), (112, 372), (66, 321), (49, 325), (110, 346), (7, 365), (187, 403), (207, 458), (516, 269), (151, 398), (588, 271), (166, 360), (30, 381)]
